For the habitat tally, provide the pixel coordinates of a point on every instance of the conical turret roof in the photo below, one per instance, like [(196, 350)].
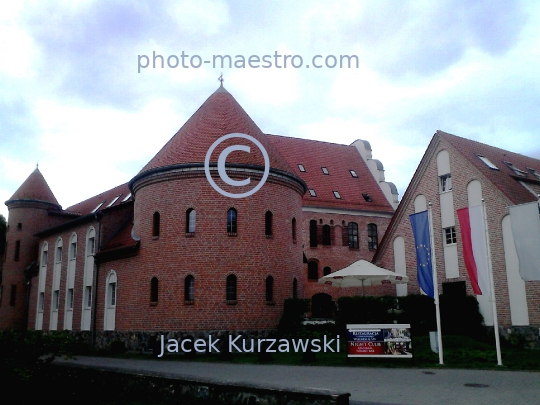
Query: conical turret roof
[(35, 188), (219, 115)]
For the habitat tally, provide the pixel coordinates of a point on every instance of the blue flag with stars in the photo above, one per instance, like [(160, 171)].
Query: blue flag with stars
[(422, 244)]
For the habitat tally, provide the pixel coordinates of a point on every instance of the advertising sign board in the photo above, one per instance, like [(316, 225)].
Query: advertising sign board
[(379, 340)]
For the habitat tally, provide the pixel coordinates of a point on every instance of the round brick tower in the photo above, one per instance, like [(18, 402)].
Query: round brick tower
[(28, 214), (209, 261)]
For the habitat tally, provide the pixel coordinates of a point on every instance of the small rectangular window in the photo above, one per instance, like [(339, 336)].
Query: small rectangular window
[(88, 296), (19, 225), (487, 162), (98, 207), (56, 299), (450, 235), (127, 197), (114, 200), (445, 183), (73, 250), (70, 298), (517, 171), (337, 195), (353, 173), (324, 170), (534, 172), (312, 193), (41, 301), (367, 197), (113, 293), (17, 250), (301, 168)]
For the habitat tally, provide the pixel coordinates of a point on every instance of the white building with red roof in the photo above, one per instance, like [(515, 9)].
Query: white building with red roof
[(456, 173)]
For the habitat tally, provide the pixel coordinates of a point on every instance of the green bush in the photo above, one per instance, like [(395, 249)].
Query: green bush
[(293, 314), (25, 356)]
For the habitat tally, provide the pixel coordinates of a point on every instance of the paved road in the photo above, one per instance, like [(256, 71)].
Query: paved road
[(367, 386)]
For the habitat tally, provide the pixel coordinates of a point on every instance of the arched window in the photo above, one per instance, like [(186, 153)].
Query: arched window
[(189, 288), (110, 301), (353, 235), (269, 289), (295, 288), (154, 290), (326, 271), (191, 216), (294, 230), (326, 240), (313, 233), (231, 288), (156, 224), (231, 221), (41, 286), (88, 279), (313, 270), (268, 223), (373, 238)]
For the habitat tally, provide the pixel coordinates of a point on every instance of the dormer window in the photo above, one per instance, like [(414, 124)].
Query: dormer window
[(301, 167), (325, 170), (337, 195), (445, 183), (487, 162), (126, 198), (114, 200), (534, 172), (312, 193), (517, 171), (98, 207), (353, 174)]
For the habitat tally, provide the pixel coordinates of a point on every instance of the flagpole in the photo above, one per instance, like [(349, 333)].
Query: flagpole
[(435, 286), (492, 287)]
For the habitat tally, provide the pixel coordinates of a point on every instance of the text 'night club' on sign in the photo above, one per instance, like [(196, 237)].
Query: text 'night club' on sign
[(379, 340)]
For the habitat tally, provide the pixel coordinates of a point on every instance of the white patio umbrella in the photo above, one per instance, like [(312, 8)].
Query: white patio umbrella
[(362, 273)]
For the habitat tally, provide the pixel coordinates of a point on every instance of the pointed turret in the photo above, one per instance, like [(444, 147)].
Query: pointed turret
[(219, 115), (34, 188)]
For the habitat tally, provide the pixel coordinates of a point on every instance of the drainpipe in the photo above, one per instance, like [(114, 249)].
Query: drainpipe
[(96, 266)]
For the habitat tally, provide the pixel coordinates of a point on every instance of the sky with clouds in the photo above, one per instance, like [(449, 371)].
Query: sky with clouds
[(72, 99)]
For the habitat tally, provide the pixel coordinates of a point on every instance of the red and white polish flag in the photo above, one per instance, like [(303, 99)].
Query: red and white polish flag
[(473, 236)]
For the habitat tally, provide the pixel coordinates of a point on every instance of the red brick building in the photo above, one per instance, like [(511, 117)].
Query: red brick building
[(456, 173), (168, 252)]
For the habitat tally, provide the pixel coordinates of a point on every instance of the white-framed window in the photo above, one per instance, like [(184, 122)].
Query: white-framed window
[(487, 162), (301, 167), (336, 194), (353, 174), (450, 235), (56, 299), (70, 298), (41, 304), (312, 193), (445, 183), (324, 170), (88, 296)]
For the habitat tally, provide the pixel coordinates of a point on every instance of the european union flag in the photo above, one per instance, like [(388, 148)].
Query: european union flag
[(422, 243)]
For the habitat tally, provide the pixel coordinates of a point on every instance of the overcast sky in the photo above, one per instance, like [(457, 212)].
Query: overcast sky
[(72, 99)]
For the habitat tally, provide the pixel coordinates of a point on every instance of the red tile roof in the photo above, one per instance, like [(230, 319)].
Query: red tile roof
[(87, 206), (219, 115), (339, 160), (121, 239), (35, 187), (505, 179)]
